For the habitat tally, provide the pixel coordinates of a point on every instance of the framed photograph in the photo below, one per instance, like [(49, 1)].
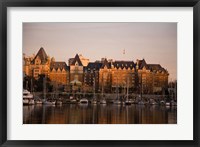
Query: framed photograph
[(104, 73)]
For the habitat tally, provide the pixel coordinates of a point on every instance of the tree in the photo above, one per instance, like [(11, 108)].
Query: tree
[(28, 83), (40, 83)]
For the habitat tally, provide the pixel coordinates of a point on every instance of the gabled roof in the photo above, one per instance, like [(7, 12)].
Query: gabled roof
[(77, 59), (59, 65), (156, 67), (106, 63), (42, 55), (142, 63), (124, 64)]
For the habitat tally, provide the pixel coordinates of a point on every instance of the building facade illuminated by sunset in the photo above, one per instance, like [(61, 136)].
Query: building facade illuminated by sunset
[(105, 75)]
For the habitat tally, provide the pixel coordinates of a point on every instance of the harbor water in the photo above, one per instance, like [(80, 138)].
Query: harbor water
[(99, 114)]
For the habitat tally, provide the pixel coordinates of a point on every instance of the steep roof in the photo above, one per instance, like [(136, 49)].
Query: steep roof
[(106, 63), (156, 67), (59, 65), (77, 59), (124, 64), (42, 55), (142, 63)]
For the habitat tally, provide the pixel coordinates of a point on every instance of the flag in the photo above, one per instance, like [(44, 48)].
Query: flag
[(124, 51)]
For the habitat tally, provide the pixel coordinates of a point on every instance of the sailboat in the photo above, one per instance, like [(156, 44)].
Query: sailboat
[(117, 101), (84, 100), (27, 96), (173, 102), (58, 100), (94, 100), (45, 101), (102, 101), (141, 102), (127, 101)]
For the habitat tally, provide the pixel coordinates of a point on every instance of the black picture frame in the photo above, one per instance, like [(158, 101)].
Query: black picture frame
[(4, 4)]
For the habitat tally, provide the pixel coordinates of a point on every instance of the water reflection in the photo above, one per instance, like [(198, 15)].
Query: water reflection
[(99, 114)]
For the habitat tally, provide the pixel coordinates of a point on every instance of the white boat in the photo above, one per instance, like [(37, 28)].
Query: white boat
[(38, 101), (73, 101), (49, 102), (102, 101), (141, 102), (94, 100), (118, 102), (27, 97), (127, 101), (154, 103), (84, 100), (167, 103), (58, 102), (45, 101)]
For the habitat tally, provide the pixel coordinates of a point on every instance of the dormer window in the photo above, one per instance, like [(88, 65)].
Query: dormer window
[(76, 64)]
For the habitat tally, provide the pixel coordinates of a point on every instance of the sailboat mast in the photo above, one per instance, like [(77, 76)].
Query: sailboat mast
[(127, 87), (44, 87), (31, 86), (27, 85), (94, 85), (141, 87), (102, 86), (117, 88)]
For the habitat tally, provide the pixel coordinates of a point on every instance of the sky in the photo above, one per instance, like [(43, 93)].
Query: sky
[(156, 42)]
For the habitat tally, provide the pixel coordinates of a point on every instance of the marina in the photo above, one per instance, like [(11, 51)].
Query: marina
[(99, 109)]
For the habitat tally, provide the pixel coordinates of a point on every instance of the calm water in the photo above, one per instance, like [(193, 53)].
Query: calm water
[(99, 114)]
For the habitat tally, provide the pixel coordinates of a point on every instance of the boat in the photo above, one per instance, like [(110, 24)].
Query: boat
[(162, 102), (58, 102), (173, 103), (27, 98), (141, 102), (45, 101), (94, 100), (102, 101), (38, 101), (127, 101), (48, 102), (72, 100), (153, 103), (84, 100), (117, 101), (167, 104)]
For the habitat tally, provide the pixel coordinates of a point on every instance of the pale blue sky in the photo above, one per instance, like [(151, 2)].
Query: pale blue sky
[(155, 42)]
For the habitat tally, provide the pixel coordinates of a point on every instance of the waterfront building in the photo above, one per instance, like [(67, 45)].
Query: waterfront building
[(91, 76), (153, 78), (105, 76), (37, 64), (59, 72)]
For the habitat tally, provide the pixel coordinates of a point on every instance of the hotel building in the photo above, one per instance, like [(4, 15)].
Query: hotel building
[(102, 76)]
